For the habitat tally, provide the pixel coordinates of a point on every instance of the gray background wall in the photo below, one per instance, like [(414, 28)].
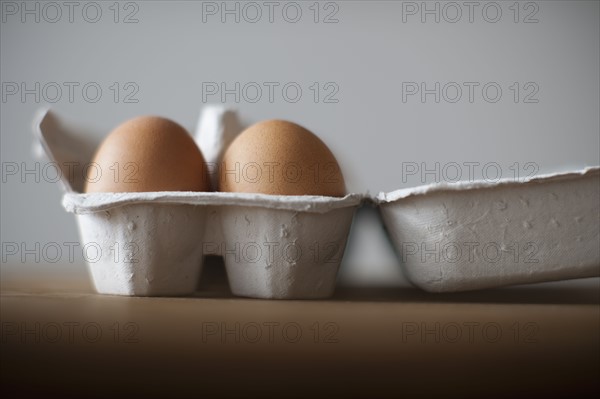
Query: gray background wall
[(175, 48)]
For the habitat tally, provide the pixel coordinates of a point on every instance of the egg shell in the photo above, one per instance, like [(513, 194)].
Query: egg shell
[(147, 153), (280, 158)]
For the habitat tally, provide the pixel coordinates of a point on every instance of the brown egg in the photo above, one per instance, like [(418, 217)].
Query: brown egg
[(281, 158), (147, 153)]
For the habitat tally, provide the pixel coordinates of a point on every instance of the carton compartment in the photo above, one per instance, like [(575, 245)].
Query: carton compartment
[(283, 254), (144, 249)]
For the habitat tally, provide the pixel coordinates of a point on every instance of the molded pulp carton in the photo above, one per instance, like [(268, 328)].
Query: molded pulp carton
[(153, 243), (449, 237)]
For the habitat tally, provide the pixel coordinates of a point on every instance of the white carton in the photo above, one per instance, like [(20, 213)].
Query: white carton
[(152, 244), (144, 249), (450, 237), (474, 235), (286, 253)]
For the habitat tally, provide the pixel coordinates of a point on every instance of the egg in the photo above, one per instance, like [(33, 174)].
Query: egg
[(147, 153), (280, 158)]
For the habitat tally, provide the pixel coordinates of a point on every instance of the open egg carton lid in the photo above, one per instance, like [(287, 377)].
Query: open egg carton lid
[(481, 234)]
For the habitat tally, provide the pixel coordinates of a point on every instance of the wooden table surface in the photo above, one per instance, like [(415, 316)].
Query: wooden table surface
[(58, 337)]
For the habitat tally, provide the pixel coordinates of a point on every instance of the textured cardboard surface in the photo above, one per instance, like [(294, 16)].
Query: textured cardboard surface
[(480, 235)]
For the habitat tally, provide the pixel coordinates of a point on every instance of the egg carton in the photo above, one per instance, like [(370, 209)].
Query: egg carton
[(449, 237), (153, 243)]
